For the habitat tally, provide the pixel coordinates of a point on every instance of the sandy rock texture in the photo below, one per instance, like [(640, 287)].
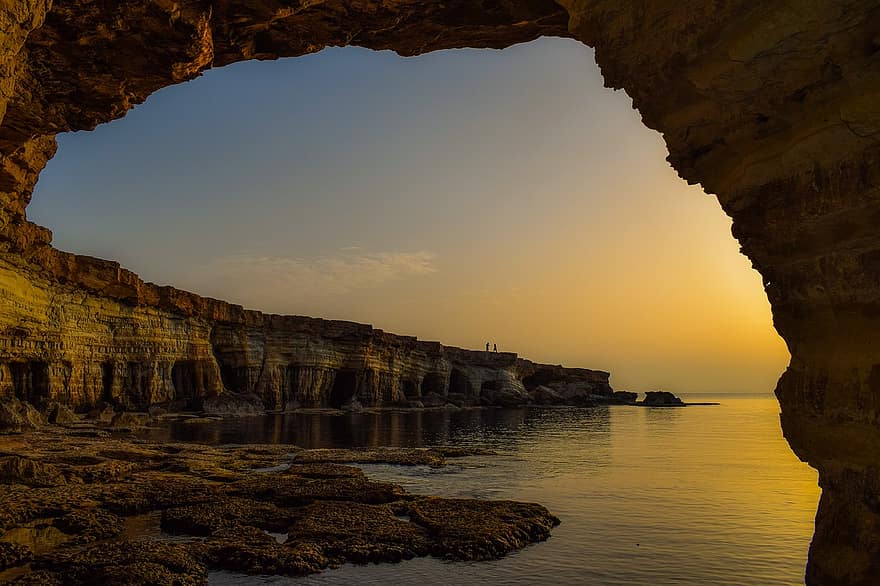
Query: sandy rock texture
[(170, 512), (772, 106)]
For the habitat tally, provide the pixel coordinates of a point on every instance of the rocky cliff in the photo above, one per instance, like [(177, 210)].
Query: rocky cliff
[(773, 106), (102, 335)]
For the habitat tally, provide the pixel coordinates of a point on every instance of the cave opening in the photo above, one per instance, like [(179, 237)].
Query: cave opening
[(30, 380), (538, 378), (410, 389), (234, 378), (137, 383), (460, 383), (344, 389), (185, 378), (107, 378), (434, 383)]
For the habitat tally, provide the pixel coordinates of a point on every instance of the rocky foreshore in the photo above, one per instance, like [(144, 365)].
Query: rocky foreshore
[(82, 505)]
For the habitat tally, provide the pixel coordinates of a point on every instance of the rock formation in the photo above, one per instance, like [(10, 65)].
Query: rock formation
[(773, 106), (78, 516), (120, 341), (661, 399)]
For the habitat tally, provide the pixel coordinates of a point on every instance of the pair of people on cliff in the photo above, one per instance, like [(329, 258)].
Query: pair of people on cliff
[(494, 347)]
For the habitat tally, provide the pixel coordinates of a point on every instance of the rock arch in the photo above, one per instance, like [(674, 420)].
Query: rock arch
[(782, 122)]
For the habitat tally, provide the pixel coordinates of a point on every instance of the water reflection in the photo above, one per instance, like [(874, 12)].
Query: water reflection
[(394, 429), (712, 495)]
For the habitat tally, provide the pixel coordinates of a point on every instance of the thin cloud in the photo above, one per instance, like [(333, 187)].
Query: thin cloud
[(273, 281)]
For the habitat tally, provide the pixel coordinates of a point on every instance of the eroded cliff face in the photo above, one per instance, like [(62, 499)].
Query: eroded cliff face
[(107, 337), (773, 106)]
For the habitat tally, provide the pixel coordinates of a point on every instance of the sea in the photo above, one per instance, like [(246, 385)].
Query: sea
[(696, 495)]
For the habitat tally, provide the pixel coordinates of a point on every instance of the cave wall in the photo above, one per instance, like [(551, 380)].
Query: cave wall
[(772, 106)]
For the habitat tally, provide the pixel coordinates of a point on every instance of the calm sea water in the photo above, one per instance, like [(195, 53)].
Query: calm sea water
[(700, 495)]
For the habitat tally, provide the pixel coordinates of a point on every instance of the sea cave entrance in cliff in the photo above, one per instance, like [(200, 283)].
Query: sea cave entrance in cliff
[(460, 383), (185, 378), (434, 383), (107, 377), (344, 389), (137, 384), (30, 380)]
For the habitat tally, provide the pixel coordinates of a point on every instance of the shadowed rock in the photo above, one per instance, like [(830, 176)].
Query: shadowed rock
[(358, 533), (464, 529), (661, 399), (221, 508)]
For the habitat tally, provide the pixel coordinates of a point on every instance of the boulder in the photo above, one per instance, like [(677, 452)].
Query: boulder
[(662, 399), (17, 416), (624, 397)]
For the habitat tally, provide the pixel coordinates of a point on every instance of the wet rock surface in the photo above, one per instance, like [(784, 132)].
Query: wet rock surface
[(66, 500)]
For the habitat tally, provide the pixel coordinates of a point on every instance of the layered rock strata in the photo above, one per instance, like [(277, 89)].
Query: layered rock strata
[(119, 341), (773, 106)]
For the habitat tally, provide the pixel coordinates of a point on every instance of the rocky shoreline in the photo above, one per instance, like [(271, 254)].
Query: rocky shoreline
[(74, 504)]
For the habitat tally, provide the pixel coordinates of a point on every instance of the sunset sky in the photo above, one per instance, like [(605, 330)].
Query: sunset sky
[(463, 196)]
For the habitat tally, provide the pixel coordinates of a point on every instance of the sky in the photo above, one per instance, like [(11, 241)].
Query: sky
[(463, 196)]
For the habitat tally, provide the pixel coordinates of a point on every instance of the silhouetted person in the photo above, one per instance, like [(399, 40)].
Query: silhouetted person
[(494, 347), (487, 346)]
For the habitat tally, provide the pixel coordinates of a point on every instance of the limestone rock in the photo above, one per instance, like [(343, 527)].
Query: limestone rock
[(17, 416), (624, 397), (544, 395), (661, 399)]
